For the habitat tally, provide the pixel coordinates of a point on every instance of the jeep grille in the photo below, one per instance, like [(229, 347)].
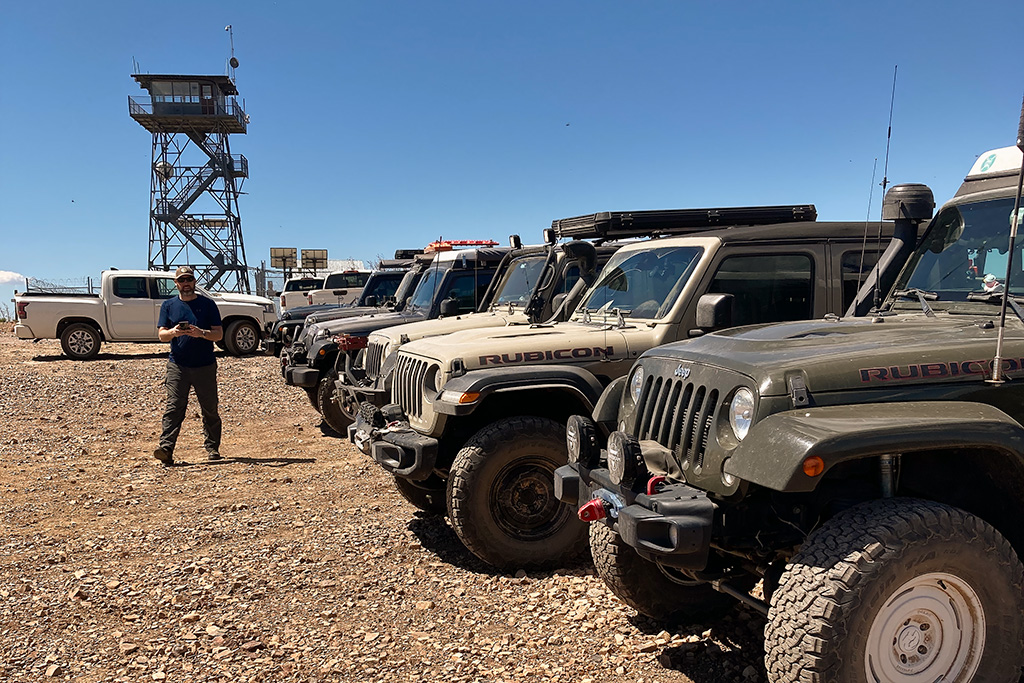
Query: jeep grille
[(374, 358), (407, 386), (678, 415)]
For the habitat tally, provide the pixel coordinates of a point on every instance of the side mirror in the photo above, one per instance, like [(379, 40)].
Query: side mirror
[(370, 300), (449, 307), (714, 312)]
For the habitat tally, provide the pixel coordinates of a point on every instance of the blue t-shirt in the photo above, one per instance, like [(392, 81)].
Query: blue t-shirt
[(190, 352)]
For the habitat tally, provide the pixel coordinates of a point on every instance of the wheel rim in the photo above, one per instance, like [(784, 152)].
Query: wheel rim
[(523, 500), (245, 338), (80, 342), (347, 404), (931, 628)]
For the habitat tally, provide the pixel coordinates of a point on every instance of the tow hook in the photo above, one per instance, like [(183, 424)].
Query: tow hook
[(603, 504), (593, 511), (653, 483)]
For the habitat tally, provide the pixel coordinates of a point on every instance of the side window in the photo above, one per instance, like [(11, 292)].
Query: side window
[(854, 271), (572, 276), (469, 289), (131, 288), (164, 288), (768, 289)]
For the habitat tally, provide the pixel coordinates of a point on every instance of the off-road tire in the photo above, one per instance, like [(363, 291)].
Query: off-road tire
[(80, 341), (336, 414), (890, 564), (314, 398), (242, 338), (662, 594), (501, 496), (427, 495)]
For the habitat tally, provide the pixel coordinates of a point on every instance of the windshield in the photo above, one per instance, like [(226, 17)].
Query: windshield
[(424, 293), (642, 284), (518, 281), (382, 285), (964, 251)]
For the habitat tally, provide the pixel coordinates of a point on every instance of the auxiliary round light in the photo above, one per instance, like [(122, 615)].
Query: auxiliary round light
[(581, 441), (625, 461), (741, 412)]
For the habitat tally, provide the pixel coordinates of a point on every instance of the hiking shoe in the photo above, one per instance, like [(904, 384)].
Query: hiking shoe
[(214, 456), (163, 456)]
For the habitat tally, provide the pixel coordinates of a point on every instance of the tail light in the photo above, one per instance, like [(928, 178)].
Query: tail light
[(348, 342), (309, 299), (22, 310), (283, 304)]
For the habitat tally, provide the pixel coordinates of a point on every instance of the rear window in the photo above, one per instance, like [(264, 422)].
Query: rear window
[(301, 285), (353, 280)]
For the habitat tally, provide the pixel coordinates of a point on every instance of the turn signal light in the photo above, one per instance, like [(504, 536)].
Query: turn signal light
[(593, 511), (813, 466)]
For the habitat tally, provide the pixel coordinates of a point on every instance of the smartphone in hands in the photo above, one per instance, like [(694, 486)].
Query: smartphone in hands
[(183, 325)]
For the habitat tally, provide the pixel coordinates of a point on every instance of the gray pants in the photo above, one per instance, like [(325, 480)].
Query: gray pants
[(179, 381)]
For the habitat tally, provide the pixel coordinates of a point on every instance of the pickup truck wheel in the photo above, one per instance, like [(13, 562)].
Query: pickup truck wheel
[(899, 590), (80, 341), (661, 593), (242, 338), (427, 495), (501, 496), (338, 414)]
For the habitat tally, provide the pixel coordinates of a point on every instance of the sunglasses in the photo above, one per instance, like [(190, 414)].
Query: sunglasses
[(185, 279)]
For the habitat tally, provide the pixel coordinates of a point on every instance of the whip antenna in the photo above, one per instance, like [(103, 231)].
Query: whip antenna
[(885, 184), (997, 362)]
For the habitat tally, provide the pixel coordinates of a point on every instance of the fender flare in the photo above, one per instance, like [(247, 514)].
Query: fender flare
[(522, 378), (773, 453)]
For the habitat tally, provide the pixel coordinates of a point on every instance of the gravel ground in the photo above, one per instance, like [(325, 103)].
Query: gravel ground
[(292, 559)]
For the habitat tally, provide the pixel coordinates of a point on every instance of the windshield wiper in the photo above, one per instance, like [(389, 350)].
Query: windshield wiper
[(921, 295), (997, 297)]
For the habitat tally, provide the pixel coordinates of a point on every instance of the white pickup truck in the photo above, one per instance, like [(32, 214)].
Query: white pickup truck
[(127, 309), (340, 287), (294, 293)]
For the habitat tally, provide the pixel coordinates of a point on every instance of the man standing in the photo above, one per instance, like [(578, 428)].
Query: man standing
[(191, 323)]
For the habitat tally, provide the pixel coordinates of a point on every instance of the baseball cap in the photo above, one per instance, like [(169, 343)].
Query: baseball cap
[(184, 270)]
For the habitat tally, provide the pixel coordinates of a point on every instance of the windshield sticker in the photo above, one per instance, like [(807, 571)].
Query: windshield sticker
[(558, 354), (933, 370)]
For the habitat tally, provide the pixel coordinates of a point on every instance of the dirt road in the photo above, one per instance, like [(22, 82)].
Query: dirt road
[(292, 559)]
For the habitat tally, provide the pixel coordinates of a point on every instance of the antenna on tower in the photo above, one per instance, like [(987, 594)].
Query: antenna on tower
[(233, 63)]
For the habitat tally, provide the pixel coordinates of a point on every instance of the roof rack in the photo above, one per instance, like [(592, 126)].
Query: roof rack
[(449, 245), (405, 254), (618, 224), (391, 264)]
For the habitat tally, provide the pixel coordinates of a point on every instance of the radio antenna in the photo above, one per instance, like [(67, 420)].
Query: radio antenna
[(885, 184), (867, 223), (997, 362)]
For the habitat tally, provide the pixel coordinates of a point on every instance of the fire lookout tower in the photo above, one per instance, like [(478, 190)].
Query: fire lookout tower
[(194, 179)]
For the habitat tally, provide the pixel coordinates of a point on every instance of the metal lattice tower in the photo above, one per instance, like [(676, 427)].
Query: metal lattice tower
[(195, 180)]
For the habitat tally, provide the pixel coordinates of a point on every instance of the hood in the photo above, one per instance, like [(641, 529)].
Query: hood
[(519, 344), (879, 353), (365, 324), (438, 326), (232, 298), (341, 312)]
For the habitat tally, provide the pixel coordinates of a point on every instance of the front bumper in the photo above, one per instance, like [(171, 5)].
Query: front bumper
[(396, 447), (298, 376), (672, 526)]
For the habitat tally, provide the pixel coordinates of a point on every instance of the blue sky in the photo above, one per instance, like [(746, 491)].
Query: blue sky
[(380, 125)]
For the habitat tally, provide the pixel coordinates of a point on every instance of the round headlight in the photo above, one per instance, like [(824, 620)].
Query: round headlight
[(636, 383), (581, 441), (741, 412), (435, 379), (625, 461)]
